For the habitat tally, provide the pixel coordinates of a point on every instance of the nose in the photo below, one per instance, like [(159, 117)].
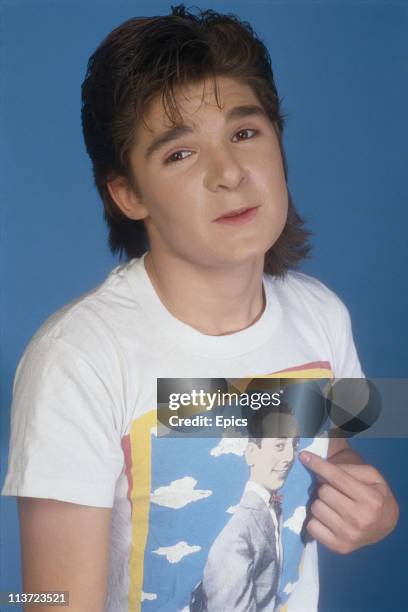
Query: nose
[(224, 171), (288, 452)]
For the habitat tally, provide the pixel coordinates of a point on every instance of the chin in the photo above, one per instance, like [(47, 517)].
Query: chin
[(278, 484), (247, 253)]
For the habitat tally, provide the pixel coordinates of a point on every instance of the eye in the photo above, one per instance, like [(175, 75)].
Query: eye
[(280, 446), (246, 130), (171, 158)]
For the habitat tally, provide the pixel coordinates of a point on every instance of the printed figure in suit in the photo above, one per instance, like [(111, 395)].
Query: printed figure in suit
[(244, 562)]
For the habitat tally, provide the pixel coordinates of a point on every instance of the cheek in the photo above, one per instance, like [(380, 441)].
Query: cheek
[(183, 209), (270, 178), (162, 202), (173, 189)]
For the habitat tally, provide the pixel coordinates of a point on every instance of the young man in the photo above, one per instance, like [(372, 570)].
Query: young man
[(181, 120), (251, 541)]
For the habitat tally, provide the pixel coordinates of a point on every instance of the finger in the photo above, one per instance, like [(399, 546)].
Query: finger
[(365, 473), (343, 505), (369, 476), (327, 516), (334, 475), (321, 533)]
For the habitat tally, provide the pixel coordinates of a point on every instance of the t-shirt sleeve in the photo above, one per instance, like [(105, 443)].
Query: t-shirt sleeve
[(346, 360), (64, 442)]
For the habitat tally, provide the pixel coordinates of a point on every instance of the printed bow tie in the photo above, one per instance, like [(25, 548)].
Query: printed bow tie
[(275, 499)]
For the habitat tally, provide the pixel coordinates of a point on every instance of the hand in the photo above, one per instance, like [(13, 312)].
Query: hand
[(354, 505)]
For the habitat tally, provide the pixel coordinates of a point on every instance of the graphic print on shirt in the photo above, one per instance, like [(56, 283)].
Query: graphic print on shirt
[(216, 523)]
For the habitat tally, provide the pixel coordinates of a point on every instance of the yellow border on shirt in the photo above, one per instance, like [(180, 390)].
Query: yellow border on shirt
[(140, 444)]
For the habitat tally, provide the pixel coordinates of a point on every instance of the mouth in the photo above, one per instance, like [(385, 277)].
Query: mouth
[(239, 215)]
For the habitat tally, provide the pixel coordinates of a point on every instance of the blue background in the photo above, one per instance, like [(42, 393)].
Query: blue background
[(341, 70)]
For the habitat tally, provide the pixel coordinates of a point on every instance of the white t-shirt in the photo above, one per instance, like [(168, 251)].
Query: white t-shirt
[(83, 427)]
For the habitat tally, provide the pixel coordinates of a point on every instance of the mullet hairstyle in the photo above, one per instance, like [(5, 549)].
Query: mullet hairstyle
[(146, 57)]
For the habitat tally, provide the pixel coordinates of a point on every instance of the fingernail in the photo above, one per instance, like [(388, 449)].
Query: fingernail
[(304, 457)]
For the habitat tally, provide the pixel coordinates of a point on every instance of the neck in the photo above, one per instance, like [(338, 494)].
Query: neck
[(214, 301)]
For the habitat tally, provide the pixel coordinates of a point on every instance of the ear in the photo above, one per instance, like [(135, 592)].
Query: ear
[(250, 452), (126, 199)]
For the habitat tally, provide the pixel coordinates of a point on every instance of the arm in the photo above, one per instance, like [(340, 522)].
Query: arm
[(65, 547), (354, 506), (228, 579)]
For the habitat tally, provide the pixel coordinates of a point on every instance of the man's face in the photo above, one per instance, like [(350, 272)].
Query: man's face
[(271, 462), (229, 160)]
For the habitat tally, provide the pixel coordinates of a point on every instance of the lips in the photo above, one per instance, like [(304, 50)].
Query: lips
[(238, 217), (236, 213)]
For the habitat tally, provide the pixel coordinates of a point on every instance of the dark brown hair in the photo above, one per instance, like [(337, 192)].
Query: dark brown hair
[(258, 427), (150, 56)]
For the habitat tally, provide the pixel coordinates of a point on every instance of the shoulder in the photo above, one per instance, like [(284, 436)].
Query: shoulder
[(315, 311), (302, 286), (246, 515), (87, 329), (92, 315), (305, 295), (312, 311)]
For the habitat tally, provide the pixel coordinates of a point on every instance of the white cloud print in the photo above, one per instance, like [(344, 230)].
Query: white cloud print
[(174, 554), (289, 587), (148, 596), (235, 446), (179, 493), (295, 522)]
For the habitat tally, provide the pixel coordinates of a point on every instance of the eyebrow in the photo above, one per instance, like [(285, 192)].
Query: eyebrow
[(182, 129)]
